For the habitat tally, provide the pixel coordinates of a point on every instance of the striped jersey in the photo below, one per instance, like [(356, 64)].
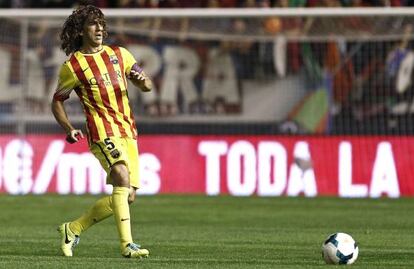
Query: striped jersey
[(99, 80)]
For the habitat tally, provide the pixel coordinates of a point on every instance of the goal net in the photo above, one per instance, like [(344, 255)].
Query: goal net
[(264, 71)]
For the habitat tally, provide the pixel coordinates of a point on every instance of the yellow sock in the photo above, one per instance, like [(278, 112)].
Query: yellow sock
[(99, 211), (120, 207)]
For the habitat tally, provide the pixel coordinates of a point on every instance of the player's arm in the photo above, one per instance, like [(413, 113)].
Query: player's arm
[(66, 83), (59, 112), (135, 73), (140, 79)]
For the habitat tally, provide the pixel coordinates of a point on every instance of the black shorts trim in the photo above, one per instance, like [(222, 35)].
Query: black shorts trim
[(103, 152)]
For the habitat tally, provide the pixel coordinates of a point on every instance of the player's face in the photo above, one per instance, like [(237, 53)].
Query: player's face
[(93, 33)]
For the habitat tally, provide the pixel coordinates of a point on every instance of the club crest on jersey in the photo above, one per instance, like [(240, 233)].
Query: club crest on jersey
[(115, 154), (113, 59)]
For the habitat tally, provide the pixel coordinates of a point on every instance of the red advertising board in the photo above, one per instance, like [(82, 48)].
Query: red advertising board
[(342, 166)]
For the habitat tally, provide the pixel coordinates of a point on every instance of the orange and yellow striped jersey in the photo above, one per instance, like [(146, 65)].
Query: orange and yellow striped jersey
[(99, 80)]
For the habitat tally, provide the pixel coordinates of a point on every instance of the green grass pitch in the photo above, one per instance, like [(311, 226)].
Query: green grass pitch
[(210, 232)]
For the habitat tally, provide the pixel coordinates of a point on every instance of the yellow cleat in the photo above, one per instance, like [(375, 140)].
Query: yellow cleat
[(69, 239), (133, 250)]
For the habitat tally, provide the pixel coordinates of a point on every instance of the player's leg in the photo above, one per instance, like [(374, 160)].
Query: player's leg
[(125, 166), (71, 231), (101, 210), (120, 180), (121, 198)]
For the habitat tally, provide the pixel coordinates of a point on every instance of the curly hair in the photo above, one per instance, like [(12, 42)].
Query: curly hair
[(72, 28)]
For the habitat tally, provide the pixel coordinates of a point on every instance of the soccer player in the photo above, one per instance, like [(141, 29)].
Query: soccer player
[(98, 74)]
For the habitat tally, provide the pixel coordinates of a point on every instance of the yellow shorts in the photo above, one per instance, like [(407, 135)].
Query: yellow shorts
[(113, 150)]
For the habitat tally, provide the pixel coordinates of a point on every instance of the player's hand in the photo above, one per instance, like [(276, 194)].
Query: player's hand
[(138, 76), (73, 136), (140, 79)]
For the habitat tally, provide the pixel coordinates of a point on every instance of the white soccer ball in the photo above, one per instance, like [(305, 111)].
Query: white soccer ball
[(340, 248)]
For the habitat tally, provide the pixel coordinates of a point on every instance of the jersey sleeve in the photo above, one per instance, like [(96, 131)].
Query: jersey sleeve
[(129, 62), (66, 83)]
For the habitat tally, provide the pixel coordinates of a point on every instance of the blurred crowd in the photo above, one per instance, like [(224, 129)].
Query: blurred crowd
[(202, 3)]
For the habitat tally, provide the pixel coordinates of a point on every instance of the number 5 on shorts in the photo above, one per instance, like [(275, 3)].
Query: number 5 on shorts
[(109, 144)]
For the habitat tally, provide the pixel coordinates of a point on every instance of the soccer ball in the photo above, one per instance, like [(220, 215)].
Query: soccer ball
[(340, 248)]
